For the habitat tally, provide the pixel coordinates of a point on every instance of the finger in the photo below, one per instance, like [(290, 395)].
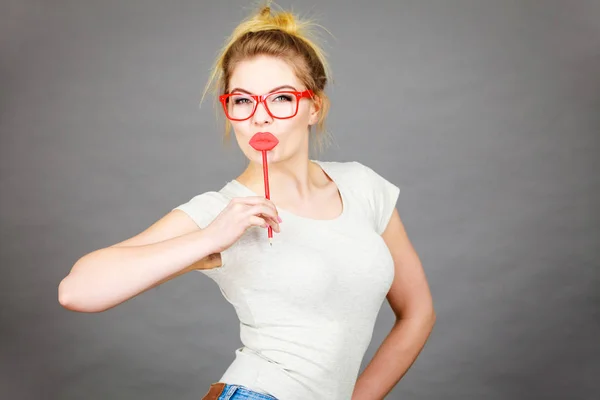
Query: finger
[(263, 222), (271, 221), (257, 200), (262, 209), (267, 214), (257, 221)]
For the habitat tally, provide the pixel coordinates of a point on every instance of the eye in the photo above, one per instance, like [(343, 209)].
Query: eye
[(241, 100), (283, 98)]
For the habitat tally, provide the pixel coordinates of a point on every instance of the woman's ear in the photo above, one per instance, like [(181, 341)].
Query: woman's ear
[(315, 108)]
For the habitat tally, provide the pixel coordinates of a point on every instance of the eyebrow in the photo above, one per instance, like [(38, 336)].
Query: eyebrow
[(271, 91)]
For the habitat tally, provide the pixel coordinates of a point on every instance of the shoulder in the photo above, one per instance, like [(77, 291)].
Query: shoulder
[(353, 172), (342, 168), (376, 194)]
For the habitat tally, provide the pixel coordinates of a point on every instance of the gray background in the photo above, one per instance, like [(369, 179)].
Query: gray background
[(485, 113)]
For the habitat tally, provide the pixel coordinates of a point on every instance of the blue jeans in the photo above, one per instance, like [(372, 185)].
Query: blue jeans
[(224, 391)]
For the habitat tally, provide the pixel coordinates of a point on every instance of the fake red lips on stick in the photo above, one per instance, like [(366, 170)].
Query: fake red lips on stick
[(265, 141)]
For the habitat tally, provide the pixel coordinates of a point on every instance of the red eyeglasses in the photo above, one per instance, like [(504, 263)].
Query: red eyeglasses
[(281, 104)]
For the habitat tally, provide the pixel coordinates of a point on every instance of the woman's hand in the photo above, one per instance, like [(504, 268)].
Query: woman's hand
[(240, 214)]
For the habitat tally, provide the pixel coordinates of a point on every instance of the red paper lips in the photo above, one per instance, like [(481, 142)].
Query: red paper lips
[(263, 141)]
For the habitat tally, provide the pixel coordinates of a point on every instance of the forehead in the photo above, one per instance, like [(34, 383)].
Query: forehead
[(263, 73)]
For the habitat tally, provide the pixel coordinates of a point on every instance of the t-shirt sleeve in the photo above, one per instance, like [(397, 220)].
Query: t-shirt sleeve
[(382, 196), (203, 208)]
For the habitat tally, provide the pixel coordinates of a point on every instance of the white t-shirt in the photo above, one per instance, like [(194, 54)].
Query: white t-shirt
[(307, 305)]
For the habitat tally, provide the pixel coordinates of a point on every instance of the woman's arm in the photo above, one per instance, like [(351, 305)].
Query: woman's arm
[(110, 276), (410, 299)]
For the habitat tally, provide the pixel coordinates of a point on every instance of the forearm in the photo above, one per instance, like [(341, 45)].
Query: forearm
[(394, 357), (107, 277)]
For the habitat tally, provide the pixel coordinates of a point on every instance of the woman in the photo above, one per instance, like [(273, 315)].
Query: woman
[(307, 304)]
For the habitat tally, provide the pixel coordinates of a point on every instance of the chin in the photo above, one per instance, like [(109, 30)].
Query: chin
[(256, 156), (272, 157)]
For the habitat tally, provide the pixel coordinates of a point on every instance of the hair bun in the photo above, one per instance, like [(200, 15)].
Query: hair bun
[(285, 21), (265, 12)]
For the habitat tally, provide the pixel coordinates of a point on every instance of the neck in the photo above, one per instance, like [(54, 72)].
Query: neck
[(290, 181)]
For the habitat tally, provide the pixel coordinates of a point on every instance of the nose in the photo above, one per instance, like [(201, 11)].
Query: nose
[(261, 116)]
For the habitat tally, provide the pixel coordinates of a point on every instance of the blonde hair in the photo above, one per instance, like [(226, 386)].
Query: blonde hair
[(281, 35)]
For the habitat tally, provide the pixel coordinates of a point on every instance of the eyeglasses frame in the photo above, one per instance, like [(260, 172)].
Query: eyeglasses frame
[(261, 99)]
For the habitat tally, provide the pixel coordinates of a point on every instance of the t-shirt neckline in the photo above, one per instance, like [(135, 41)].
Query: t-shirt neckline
[(283, 211)]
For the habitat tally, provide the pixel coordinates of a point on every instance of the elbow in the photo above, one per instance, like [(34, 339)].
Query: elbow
[(70, 299), (66, 296), (74, 291), (429, 315), (427, 320), (425, 317)]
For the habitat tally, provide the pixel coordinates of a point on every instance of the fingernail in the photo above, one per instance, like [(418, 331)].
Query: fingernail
[(279, 219)]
